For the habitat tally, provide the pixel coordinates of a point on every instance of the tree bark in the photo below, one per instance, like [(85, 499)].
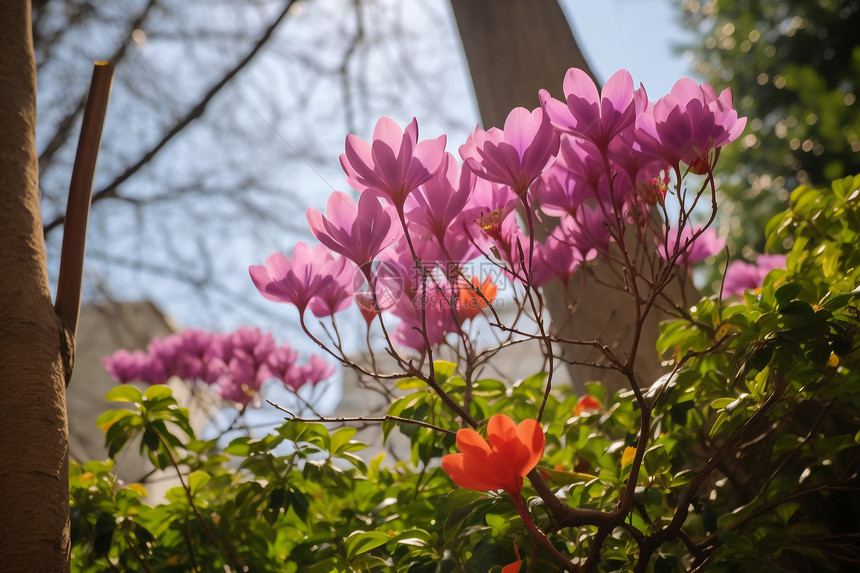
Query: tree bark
[(514, 48), (34, 495)]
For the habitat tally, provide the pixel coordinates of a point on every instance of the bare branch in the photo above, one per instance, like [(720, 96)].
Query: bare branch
[(110, 190)]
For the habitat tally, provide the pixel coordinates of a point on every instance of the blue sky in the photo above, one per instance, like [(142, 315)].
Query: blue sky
[(638, 35)]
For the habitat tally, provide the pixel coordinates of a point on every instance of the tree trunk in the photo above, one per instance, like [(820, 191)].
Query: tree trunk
[(514, 48), (34, 495)]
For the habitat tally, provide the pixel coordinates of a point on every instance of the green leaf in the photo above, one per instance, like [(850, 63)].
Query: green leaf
[(489, 387), (683, 478), (354, 460), (363, 541), (158, 392), (411, 383), (341, 438), (760, 358), (459, 497), (787, 292), (721, 419), (443, 370), (300, 504), (277, 499), (124, 393), (562, 477), (198, 479), (656, 460), (414, 537), (109, 418), (150, 439), (786, 510), (239, 447)]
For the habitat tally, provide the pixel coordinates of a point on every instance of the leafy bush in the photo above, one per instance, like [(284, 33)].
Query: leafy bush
[(742, 456)]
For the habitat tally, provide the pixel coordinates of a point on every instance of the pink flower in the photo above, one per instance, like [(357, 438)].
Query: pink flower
[(394, 164), (433, 207), (358, 232), (314, 372), (487, 215), (335, 295), (585, 163), (741, 276), (295, 280), (235, 366), (438, 315), (438, 201), (191, 353), (585, 232), (691, 251), (228, 389), (595, 117), (124, 367), (280, 363), (558, 259), (515, 156), (642, 170), (240, 382), (559, 190), (688, 123), (514, 247), (383, 288)]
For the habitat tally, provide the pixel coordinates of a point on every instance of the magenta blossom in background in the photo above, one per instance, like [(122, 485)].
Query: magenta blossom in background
[(686, 124), (741, 276), (314, 372), (595, 117), (585, 163), (394, 164), (438, 317), (560, 191), (585, 232), (705, 245), (558, 259), (126, 367), (234, 365), (281, 364), (514, 247), (358, 232), (515, 156)]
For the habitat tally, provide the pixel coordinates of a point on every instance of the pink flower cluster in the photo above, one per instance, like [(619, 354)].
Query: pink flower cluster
[(596, 164), (741, 276), (233, 365)]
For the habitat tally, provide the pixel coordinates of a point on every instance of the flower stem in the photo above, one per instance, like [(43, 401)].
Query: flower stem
[(520, 504)]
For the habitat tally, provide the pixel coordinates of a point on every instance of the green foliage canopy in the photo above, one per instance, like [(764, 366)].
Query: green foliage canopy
[(794, 69), (751, 460)]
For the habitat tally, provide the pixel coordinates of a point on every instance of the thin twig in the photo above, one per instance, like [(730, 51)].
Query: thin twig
[(374, 419)]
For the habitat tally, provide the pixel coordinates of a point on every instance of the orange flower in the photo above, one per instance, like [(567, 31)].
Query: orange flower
[(587, 404), (469, 302), (499, 462), (512, 567)]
